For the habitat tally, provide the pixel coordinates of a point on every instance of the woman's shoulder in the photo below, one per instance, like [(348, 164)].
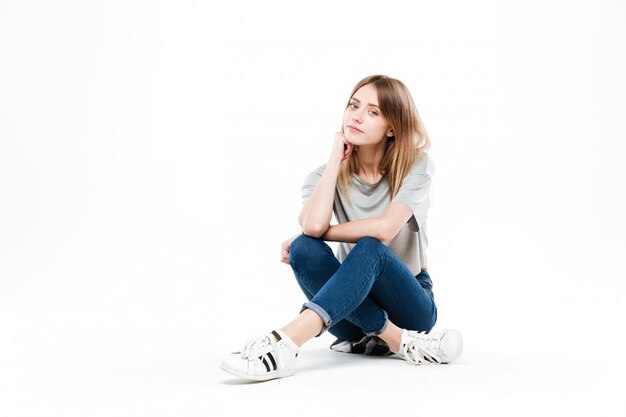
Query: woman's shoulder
[(318, 171), (314, 176), (423, 164)]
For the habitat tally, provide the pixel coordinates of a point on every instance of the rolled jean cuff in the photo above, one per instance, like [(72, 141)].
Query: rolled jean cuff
[(320, 312), (377, 332)]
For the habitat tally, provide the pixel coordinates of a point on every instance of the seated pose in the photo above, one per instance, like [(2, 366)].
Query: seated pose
[(376, 182)]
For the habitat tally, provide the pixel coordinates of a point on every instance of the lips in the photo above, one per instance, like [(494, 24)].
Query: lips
[(355, 129)]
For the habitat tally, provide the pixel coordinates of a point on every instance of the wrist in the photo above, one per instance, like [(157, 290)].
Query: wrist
[(327, 234), (334, 161)]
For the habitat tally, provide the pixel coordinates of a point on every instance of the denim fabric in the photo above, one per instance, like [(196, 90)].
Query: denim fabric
[(356, 297)]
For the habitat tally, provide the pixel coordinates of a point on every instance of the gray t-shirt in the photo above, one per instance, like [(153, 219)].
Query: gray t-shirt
[(371, 200)]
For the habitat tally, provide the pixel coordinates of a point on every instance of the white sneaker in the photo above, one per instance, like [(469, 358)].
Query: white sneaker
[(267, 357), (434, 347)]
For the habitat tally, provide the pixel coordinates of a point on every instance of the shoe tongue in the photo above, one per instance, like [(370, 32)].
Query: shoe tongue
[(405, 338)]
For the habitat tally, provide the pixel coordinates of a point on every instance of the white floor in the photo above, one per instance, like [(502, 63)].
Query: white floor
[(579, 382), (120, 345)]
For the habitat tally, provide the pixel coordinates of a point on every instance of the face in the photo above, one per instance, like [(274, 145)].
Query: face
[(363, 123)]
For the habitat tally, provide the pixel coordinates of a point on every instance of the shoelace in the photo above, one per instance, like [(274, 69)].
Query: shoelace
[(256, 347), (422, 348)]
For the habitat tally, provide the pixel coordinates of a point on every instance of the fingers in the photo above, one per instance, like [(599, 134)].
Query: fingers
[(342, 147), (284, 253), (348, 150)]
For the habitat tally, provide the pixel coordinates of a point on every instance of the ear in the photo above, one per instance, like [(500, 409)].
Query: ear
[(390, 133)]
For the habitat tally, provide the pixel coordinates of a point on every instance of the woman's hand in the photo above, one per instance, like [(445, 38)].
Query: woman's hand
[(341, 147), (285, 246)]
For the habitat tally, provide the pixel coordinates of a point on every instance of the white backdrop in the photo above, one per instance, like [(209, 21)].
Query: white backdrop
[(152, 153)]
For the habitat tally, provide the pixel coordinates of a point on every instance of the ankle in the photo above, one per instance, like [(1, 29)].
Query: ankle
[(392, 335), (304, 327)]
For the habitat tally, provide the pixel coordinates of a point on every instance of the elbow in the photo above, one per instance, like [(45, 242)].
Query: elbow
[(312, 227), (314, 230)]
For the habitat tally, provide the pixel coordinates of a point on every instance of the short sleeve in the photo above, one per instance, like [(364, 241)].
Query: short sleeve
[(310, 182), (415, 191)]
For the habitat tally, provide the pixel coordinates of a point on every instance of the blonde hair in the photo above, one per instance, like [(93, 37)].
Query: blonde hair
[(410, 141)]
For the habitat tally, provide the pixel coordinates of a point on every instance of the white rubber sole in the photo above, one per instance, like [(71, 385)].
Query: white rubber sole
[(265, 377)]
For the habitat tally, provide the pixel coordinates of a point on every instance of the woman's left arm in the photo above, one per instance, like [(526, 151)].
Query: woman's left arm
[(383, 228)]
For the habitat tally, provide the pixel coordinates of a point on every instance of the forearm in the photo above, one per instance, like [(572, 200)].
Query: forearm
[(383, 228), (351, 232), (317, 213)]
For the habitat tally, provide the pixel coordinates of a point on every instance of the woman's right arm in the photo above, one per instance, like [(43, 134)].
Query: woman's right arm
[(317, 212)]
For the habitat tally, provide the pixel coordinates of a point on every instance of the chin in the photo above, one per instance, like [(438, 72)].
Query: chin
[(358, 142), (355, 139)]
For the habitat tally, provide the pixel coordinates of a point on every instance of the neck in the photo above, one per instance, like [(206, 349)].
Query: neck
[(370, 158)]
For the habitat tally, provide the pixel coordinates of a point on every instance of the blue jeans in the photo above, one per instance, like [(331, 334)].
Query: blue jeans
[(357, 297)]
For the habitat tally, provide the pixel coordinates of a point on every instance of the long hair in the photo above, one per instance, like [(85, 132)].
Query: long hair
[(410, 141)]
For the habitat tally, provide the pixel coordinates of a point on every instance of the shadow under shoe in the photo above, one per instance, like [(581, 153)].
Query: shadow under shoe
[(368, 345)]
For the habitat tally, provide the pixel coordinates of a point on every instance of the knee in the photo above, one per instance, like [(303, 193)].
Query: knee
[(369, 242), (303, 247), (369, 246), (301, 243)]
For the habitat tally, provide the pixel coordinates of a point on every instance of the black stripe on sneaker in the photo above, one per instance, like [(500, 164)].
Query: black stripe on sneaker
[(267, 366), (269, 355), (431, 359), (276, 335)]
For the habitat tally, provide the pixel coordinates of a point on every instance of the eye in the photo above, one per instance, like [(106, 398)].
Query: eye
[(373, 112), (353, 106)]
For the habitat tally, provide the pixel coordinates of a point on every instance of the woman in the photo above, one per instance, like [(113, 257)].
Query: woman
[(376, 182)]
